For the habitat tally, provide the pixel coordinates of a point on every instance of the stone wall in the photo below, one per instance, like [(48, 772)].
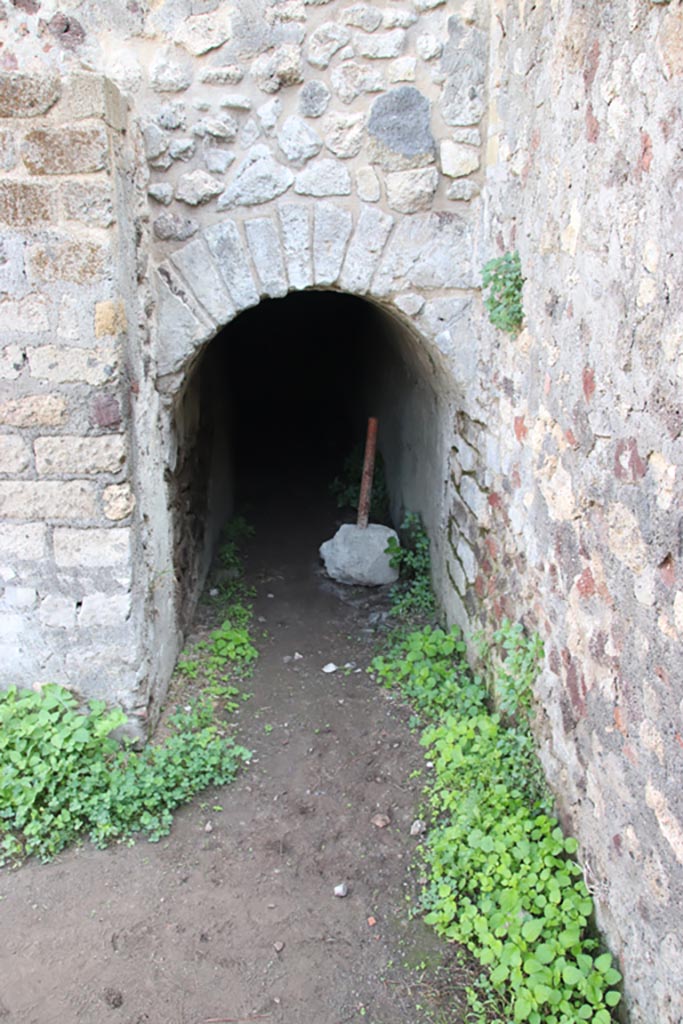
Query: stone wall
[(165, 166)]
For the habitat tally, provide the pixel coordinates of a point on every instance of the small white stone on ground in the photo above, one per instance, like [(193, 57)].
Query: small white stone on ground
[(341, 890), (418, 827), (330, 667)]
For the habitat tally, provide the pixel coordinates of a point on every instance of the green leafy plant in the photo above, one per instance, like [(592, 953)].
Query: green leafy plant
[(502, 879), (413, 595), (503, 277), (63, 777), (346, 487)]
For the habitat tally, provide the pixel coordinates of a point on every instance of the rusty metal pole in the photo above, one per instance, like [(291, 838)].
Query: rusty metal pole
[(368, 472)]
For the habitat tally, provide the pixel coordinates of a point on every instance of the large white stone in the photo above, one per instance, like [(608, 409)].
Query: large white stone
[(369, 239), (458, 160), (325, 177), (264, 245), (298, 141), (344, 134), (226, 247), (358, 557), (259, 179), (331, 230), (352, 79), (380, 47), (296, 237), (325, 42), (412, 191), (197, 268), (197, 187)]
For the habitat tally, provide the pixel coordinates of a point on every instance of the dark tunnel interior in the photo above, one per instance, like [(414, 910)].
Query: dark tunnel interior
[(277, 401)]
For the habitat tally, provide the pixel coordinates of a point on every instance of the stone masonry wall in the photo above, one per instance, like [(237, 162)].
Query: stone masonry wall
[(164, 166)]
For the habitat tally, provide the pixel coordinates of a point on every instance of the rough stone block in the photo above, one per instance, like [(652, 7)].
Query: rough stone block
[(27, 95), (403, 69), (197, 187), (352, 79), (57, 612), (118, 501), (197, 266), (168, 73), (226, 247), (68, 455), (259, 179), (110, 318), (326, 177), (25, 204), (34, 411), (12, 625), (365, 16), (314, 99), (25, 316), (367, 185), (202, 32), (400, 130), (179, 332), (298, 141), (362, 257), (358, 557), (324, 42), (61, 365), (88, 203), (19, 598), (11, 362), (266, 252), (75, 261), (91, 549), (170, 226), (23, 543), (296, 234), (15, 456), (412, 191), (458, 160), (65, 150), (344, 134), (463, 98), (278, 68), (44, 499), (331, 230), (382, 46), (103, 609)]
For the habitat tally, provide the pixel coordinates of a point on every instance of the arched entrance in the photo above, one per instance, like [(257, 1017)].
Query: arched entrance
[(273, 405)]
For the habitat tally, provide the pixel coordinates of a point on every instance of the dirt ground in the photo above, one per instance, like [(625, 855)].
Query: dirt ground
[(233, 916)]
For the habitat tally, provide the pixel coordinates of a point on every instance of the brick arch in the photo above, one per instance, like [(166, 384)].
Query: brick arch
[(234, 264)]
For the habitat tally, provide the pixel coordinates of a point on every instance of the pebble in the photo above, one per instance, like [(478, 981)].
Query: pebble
[(380, 820), (341, 890), (208, 827), (278, 946), (330, 667), (418, 827)]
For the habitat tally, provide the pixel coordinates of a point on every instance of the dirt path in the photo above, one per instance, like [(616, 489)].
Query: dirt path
[(237, 919)]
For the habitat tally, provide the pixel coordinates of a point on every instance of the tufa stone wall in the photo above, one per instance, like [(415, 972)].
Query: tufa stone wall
[(165, 166)]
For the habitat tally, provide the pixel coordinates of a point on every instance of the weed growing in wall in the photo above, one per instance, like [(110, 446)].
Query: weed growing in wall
[(503, 277), (502, 880)]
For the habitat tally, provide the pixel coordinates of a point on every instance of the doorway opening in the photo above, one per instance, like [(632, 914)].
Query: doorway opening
[(276, 403)]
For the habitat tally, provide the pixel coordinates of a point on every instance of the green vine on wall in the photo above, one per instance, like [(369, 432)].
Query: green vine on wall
[(503, 277)]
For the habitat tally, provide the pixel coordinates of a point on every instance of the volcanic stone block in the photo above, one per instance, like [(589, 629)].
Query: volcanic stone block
[(399, 128)]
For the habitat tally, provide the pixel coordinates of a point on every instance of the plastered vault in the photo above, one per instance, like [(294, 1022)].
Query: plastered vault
[(166, 165)]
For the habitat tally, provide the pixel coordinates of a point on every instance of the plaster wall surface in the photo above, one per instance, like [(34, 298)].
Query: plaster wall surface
[(165, 166)]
